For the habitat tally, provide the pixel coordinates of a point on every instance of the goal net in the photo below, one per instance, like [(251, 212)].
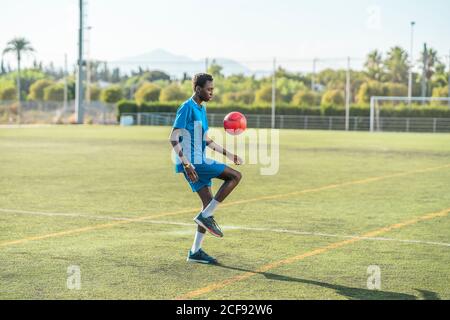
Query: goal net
[(410, 114)]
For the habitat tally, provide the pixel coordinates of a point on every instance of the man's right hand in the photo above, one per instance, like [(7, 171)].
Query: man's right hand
[(190, 172)]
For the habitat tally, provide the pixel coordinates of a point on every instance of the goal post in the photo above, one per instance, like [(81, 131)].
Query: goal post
[(376, 103)]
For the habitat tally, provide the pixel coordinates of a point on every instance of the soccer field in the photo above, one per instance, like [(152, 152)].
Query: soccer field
[(104, 200)]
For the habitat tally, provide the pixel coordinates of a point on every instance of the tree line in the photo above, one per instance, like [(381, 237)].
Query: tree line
[(384, 74)]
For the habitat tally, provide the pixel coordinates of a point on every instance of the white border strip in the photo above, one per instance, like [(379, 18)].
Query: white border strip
[(25, 126), (254, 229)]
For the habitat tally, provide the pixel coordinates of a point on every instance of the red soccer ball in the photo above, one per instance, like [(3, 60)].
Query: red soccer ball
[(235, 123)]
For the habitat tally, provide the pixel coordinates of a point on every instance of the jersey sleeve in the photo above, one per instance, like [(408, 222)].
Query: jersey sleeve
[(182, 117)]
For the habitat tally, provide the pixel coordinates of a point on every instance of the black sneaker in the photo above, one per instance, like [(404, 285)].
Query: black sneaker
[(209, 224), (201, 257)]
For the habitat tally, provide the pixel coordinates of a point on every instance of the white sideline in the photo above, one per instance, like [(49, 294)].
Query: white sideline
[(288, 231), (24, 126)]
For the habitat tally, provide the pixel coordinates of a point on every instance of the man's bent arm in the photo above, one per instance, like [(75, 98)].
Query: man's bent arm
[(214, 146), (175, 141)]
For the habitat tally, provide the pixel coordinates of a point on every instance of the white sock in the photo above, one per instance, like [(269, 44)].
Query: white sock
[(197, 242), (210, 208)]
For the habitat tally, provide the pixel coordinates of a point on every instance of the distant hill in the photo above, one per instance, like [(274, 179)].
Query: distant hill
[(175, 65)]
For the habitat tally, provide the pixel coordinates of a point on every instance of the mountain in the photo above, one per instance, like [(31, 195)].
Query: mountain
[(175, 65)]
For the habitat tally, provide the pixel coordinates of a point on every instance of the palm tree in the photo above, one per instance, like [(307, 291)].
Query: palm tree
[(374, 65), (18, 46), (439, 77), (2, 67), (397, 65), (431, 66)]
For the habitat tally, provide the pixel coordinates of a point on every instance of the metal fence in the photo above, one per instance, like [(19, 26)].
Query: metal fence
[(411, 124), (308, 122), (49, 112), (31, 112)]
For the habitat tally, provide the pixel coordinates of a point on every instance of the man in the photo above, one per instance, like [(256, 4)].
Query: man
[(189, 139)]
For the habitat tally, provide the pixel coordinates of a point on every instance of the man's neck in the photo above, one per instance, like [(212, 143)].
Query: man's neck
[(197, 99)]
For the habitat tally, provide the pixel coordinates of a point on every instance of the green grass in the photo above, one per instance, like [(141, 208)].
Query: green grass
[(117, 172)]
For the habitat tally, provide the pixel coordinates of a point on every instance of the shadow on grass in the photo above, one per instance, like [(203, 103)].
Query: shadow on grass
[(428, 295), (349, 292)]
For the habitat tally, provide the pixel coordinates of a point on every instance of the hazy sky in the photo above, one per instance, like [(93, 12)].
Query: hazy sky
[(237, 29)]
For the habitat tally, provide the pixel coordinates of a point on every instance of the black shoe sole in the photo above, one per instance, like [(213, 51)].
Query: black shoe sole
[(201, 261), (209, 230)]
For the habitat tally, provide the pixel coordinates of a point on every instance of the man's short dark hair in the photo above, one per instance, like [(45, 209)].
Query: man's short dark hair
[(200, 79)]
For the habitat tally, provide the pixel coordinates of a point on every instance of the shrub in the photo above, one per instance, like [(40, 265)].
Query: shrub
[(396, 89), (147, 92), (126, 106), (112, 94), (37, 89), (8, 93), (368, 90), (358, 111), (415, 111), (440, 92), (264, 94), (133, 107), (54, 92), (330, 110), (172, 92), (246, 97), (333, 98), (305, 99), (95, 92)]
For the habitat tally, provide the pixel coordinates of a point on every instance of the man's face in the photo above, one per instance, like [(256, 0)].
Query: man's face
[(206, 93)]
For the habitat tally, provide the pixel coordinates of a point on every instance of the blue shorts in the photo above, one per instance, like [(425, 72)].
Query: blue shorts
[(205, 173)]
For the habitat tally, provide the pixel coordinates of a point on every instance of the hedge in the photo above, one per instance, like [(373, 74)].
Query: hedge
[(415, 111), (127, 106)]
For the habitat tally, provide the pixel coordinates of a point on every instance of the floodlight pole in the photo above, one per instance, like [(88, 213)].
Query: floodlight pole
[(79, 92), (448, 82), (372, 114), (274, 91), (411, 63), (313, 78), (88, 66), (347, 97), (65, 84), (424, 71)]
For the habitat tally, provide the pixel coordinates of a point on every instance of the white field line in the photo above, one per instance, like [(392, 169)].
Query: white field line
[(255, 229), (24, 126)]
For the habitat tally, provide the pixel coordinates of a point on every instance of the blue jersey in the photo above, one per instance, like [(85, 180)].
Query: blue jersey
[(191, 118)]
